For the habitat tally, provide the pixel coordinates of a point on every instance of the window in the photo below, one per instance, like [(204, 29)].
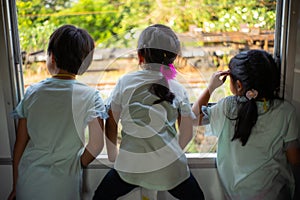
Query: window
[(210, 31)]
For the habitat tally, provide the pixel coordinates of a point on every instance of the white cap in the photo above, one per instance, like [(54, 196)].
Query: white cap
[(159, 36)]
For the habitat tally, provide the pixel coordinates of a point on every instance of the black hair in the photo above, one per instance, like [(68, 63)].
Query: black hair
[(161, 88), (255, 69), (72, 48)]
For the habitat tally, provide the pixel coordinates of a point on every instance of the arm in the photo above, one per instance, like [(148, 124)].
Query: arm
[(111, 133), (185, 125), (203, 99), (21, 142), (95, 144), (293, 156)]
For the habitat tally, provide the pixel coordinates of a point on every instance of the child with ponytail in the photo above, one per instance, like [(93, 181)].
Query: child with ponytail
[(258, 154), (148, 104)]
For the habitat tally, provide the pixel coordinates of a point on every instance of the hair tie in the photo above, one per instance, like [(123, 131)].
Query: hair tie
[(251, 94), (168, 73), (265, 105)]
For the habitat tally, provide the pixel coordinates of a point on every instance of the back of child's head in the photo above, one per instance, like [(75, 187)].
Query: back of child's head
[(72, 48), (257, 72), (159, 46), (256, 69)]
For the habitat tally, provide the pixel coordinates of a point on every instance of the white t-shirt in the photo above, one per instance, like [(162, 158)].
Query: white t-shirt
[(57, 113), (258, 170), (149, 155)]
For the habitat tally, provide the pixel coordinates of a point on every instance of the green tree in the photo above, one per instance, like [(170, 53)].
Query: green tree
[(34, 21), (116, 23), (111, 23)]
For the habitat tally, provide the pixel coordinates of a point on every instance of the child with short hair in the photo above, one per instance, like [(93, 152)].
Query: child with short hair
[(258, 134), (49, 152), (148, 104)]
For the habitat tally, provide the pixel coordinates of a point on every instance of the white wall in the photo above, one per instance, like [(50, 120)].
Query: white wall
[(296, 82), (8, 98), (5, 181)]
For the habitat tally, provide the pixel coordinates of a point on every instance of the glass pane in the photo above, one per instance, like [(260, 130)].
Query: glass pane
[(210, 31)]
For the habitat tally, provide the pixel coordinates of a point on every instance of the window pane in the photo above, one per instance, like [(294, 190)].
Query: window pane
[(210, 31)]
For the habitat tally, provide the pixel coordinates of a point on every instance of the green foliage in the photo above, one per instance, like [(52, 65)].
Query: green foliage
[(116, 23), (110, 24), (35, 26)]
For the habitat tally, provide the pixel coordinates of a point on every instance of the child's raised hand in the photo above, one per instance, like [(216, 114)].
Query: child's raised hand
[(216, 80)]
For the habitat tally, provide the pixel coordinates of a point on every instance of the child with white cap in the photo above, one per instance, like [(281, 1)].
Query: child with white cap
[(148, 104)]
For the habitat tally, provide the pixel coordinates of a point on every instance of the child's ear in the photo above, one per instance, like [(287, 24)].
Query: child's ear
[(239, 86), (51, 64), (52, 58), (141, 59)]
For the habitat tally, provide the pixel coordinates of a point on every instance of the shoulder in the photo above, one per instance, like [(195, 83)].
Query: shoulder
[(284, 104), (129, 78), (35, 87), (226, 105), (40, 84), (180, 92), (83, 86), (137, 79), (132, 75), (175, 83), (177, 87), (230, 101), (284, 107), (85, 90)]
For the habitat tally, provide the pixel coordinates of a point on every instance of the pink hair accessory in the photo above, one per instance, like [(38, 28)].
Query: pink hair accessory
[(168, 73), (251, 94)]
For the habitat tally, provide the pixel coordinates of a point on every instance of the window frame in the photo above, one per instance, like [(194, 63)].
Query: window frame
[(13, 76)]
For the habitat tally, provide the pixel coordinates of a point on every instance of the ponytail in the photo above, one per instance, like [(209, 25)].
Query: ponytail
[(246, 119), (163, 92), (166, 58)]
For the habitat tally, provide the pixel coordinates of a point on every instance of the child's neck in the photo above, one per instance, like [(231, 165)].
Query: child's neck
[(62, 74)]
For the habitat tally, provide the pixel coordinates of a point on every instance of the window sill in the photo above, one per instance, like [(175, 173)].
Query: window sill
[(195, 161)]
